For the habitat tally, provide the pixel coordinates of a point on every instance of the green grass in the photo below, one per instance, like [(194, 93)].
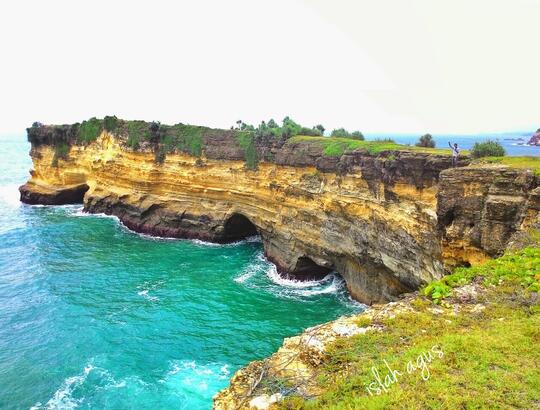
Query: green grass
[(337, 146), (138, 132), (89, 130), (522, 266), (188, 138), (532, 163), (490, 356)]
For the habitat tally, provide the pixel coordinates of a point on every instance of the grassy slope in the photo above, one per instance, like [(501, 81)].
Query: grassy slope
[(491, 351), (515, 162), (336, 146)]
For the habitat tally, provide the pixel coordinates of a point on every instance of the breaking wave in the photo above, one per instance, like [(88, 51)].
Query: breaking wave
[(263, 275)]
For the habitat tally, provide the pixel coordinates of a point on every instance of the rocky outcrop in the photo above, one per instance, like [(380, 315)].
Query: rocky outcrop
[(378, 218), (535, 139), (480, 209), (34, 194)]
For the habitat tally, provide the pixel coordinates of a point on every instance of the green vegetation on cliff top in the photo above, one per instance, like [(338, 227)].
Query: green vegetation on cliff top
[(336, 146), (490, 347), (532, 163), (190, 139)]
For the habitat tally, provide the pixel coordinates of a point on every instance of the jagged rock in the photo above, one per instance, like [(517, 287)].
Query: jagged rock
[(35, 194), (481, 207), (535, 139)]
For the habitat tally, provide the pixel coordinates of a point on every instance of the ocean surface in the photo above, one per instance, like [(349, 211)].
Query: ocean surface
[(514, 143), (94, 316)]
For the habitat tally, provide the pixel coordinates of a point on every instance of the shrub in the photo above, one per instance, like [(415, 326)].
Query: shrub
[(89, 130), (189, 138), (426, 141), (313, 132), (357, 135), (487, 148), (246, 141), (61, 151), (340, 132), (137, 132), (110, 123), (290, 128)]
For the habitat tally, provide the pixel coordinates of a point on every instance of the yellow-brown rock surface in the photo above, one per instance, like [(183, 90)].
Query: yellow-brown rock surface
[(386, 223)]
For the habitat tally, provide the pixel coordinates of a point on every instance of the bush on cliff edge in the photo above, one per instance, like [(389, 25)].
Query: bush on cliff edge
[(426, 141), (487, 148)]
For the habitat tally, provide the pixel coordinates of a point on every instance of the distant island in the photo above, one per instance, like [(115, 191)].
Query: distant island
[(535, 139)]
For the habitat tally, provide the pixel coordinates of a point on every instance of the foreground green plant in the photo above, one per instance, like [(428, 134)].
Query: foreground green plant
[(522, 267), (488, 348), (487, 148)]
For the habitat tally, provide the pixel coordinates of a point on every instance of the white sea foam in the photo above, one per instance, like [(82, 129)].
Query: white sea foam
[(190, 375), (244, 277), (63, 397), (147, 287), (262, 274), (144, 294), (293, 283), (79, 212), (249, 239), (204, 243)]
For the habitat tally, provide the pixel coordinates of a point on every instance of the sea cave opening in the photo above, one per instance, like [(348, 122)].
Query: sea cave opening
[(238, 227), (307, 269)]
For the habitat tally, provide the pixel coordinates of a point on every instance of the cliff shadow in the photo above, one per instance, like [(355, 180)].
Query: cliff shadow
[(238, 227)]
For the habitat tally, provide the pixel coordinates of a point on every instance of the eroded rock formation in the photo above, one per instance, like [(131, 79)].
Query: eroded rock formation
[(535, 139), (383, 220)]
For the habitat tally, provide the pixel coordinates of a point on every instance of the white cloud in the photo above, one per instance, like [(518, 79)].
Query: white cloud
[(409, 66)]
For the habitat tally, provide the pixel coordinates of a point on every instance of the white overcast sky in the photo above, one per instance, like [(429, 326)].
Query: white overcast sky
[(406, 66)]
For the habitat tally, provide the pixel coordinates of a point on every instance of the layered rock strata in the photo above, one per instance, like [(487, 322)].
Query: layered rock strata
[(386, 221)]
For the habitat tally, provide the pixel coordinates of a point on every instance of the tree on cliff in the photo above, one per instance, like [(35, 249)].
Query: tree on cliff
[(320, 128), (426, 140), (290, 127), (343, 133), (487, 148), (340, 133), (272, 123)]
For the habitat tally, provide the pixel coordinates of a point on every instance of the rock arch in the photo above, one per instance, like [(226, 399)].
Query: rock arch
[(307, 269), (237, 227)]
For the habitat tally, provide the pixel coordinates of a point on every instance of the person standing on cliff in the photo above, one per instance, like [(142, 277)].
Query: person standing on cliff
[(455, 153)]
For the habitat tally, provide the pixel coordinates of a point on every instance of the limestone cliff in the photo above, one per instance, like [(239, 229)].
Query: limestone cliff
[(386, 219)]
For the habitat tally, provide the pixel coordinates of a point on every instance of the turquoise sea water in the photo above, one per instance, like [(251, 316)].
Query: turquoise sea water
[(514, 143), (95, 316)]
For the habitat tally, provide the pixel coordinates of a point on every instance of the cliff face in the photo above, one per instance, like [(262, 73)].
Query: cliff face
[(482, 209), (379, 219)]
